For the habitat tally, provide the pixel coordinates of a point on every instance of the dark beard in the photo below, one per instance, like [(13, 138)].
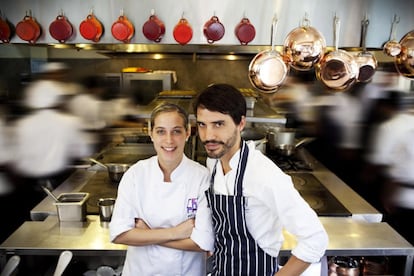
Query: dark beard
[(227, 145)]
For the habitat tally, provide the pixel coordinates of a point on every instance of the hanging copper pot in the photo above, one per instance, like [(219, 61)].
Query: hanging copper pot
[(305, 46), (338, 69), (6, 29), (61, 29), (213, 29), (122, 29), (153, 29), (183, 32), (367, 63), (268, 69), (91, 28), (404, 62), (392, 47), (245, 31), (28, 29)]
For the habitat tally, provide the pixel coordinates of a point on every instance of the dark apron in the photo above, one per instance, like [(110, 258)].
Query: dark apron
[(236, 252)]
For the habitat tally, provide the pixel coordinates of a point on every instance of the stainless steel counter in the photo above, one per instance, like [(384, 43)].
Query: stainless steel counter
[(347, 237)]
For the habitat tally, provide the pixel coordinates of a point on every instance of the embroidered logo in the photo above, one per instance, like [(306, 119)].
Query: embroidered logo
[(191, 207)]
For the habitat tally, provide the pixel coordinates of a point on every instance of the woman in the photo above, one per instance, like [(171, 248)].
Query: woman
[(161, 211)]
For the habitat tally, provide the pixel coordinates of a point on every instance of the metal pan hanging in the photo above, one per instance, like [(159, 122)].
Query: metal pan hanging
[(122, 29), (28, 29), (91, 28), (268, 69), (183, 32), (245, 31), (61, 29)]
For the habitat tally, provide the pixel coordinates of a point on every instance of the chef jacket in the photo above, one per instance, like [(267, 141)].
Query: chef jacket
[(142, 193), (393, 146), (273, 204), (46, 141)]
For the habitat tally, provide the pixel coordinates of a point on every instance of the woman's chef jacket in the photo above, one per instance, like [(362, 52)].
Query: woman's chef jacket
[(273, 204), (142, 193)]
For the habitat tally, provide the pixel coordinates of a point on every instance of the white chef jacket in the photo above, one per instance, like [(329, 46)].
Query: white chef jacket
[(142, 193), (46, 141), (393, 146), (273, 204)]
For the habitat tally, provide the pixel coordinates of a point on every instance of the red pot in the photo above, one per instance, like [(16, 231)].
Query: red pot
[(213, 29), (183, 32), (61, 29), (28, 29), (91, 28), (5, 30), (245, 31), (153, 29), (122, 29)]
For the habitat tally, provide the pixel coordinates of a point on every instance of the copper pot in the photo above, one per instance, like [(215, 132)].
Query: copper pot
[(367, 63), (392, 47), (6, 29), (268, 69), (338, 69), (404, 62), (305, 46)]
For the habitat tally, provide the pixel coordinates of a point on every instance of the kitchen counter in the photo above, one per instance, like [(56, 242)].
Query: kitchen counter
[(347, 237)]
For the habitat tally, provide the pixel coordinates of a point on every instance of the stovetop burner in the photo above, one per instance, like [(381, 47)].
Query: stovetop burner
[(290, 163), (317, 196)]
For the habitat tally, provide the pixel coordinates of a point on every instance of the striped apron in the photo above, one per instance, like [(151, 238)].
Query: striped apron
[(236, 252)]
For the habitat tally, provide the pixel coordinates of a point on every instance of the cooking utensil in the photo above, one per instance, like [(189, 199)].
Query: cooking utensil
[(153, 28), (98, 163), (268, 69), (305, 46), (91, 28), (245, 31), (404, 62), (213, 29), (392, 47), (122, 29), (343, 266), (183, 32), (10, 266), (5, 29), (115, 170), (61, 29), (28, 29), (64, 259), (337, 69), (284, 141), (366, 61), (259, 139), (49, 192)]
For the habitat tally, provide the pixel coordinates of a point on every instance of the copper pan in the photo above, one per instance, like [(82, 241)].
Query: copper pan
[(337, 69), (392, 47), (268, 69), (366, 61), (305, 46), (404, 62)]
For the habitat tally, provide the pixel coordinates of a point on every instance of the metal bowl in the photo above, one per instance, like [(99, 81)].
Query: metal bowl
[(116, 171)]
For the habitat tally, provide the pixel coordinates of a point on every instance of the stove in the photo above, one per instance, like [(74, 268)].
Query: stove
[(320, 199)]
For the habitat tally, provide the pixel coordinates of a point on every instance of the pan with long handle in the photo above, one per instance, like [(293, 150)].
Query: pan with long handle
[(366, 61), (268, 69), (337, 69)]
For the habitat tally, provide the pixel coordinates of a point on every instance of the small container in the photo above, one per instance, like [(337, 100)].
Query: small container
[(72, 206)]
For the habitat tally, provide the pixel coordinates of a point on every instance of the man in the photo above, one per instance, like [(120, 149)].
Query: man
[(251, 199)]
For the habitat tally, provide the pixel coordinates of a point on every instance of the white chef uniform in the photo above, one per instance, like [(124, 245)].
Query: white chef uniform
[(273, 204), (142, 193)]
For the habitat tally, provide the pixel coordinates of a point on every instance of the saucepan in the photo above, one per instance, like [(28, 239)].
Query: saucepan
[(284, 141), (268, 69), (366, 61), (338, 69), (115, 170), (392, 47), (404, 62)]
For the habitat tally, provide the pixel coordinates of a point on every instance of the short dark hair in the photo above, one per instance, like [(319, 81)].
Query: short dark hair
[(223, 98)]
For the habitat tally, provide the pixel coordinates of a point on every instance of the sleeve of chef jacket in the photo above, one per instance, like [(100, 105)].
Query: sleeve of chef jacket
[(203, 233)]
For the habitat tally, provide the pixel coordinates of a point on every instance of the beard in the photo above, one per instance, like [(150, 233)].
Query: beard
[(225, 147)]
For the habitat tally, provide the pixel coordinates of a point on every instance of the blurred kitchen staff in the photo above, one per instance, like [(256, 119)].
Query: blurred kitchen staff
[(161, 210), (251, 199)]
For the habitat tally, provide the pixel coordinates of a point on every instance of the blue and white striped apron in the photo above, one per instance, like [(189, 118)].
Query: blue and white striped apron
[(236, 252)]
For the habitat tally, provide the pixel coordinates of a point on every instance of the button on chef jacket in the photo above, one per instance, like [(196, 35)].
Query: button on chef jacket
[(273, 204), (142, 193)]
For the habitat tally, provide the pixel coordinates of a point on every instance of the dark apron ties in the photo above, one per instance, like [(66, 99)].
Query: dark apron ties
[(236, 252)]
